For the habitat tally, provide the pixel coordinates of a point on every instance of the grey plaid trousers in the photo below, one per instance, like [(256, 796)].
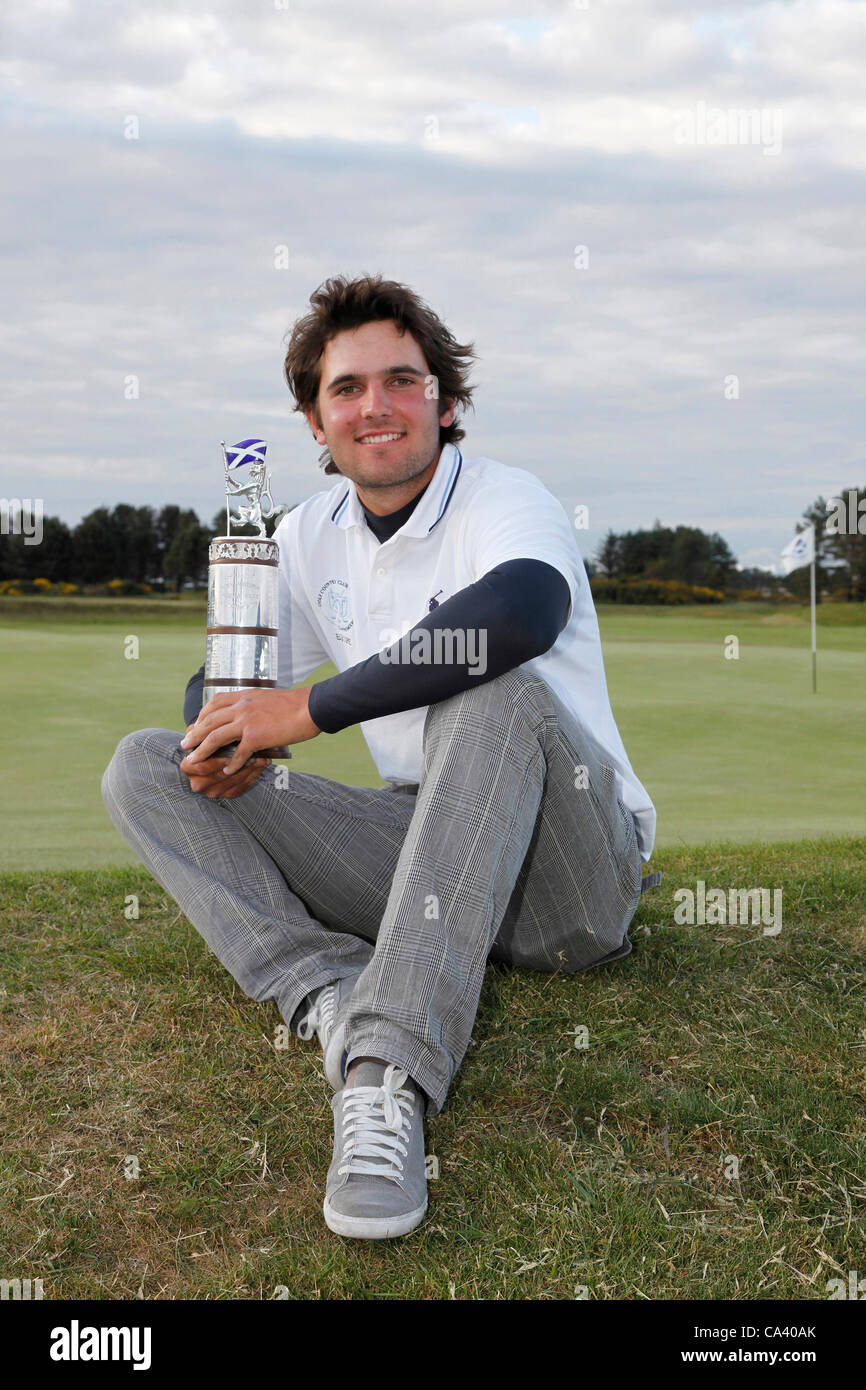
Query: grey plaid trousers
[(500, 852)]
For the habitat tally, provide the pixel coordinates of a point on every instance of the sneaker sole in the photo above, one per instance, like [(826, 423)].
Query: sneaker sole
[(332, 1057), (372, 1227)]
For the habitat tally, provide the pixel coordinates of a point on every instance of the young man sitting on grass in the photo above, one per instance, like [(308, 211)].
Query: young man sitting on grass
[(451, 596)]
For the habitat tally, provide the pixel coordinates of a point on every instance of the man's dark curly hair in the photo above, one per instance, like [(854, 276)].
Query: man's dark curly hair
[(341, 304)]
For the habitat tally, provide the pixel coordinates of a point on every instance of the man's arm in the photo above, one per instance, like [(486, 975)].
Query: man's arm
[(194, 696), (520, 607)]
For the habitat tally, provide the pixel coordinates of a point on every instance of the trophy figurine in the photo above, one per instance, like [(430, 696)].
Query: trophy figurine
[(242, 591)]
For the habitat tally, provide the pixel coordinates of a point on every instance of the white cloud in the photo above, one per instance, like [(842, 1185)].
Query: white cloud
[(467, 156)]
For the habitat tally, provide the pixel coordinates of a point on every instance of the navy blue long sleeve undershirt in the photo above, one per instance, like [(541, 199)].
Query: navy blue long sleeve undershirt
[(521, 606)]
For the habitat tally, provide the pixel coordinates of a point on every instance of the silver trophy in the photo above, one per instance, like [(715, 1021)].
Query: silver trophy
[(242, 591)]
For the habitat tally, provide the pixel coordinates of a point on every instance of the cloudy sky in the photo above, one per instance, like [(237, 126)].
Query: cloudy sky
[(647, 214)]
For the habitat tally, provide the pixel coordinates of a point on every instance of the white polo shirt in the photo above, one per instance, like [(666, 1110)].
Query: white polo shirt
[(344, 597)]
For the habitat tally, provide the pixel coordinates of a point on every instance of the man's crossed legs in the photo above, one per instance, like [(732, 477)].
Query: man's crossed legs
[(507, 850)]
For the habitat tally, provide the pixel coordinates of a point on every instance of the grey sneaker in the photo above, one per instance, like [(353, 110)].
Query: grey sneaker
[(327, 1019), (377, 1182)]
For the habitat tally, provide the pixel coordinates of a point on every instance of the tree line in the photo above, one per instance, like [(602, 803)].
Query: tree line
[(169, 545), (684, 553), (144, 545), (695, 557)]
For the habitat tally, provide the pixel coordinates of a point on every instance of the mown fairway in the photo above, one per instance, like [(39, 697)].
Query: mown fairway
[(729, 750)]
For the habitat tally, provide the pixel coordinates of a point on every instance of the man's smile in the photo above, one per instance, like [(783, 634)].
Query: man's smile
[(383, 437)]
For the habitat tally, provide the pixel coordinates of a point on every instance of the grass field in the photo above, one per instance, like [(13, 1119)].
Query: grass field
[(735, 750), (706, 1143)]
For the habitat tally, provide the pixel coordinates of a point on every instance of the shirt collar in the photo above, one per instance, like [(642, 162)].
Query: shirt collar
[(429, 511)]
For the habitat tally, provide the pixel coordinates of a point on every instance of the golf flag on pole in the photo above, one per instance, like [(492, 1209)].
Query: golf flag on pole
[(798, 552)]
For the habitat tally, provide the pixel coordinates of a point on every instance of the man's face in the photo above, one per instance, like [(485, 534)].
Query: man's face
[(378, 411)]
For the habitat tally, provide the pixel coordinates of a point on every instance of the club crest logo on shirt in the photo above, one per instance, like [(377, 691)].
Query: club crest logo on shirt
[(332, 601)]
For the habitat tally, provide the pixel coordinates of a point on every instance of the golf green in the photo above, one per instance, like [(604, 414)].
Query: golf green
[(729, 749)]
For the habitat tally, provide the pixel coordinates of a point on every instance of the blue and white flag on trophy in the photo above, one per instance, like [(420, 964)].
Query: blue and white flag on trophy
[(800, 551), (248, 451)]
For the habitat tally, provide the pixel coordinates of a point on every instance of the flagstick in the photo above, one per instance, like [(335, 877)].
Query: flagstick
[(814, 644)]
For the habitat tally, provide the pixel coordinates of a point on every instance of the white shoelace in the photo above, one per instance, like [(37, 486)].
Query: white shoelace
[(375, 1124), (322, 1013)]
